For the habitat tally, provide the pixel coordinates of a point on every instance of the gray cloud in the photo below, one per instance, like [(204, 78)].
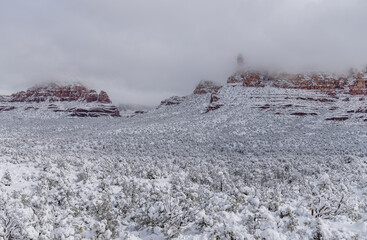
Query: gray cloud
[(143, 51)]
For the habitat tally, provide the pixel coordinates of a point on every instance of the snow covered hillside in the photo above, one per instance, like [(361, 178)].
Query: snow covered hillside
[(234, 163)]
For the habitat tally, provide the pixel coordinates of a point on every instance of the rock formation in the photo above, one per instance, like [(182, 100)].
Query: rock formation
[(54, 92)]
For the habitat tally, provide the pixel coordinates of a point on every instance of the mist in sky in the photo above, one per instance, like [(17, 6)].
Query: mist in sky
[(144, 51)]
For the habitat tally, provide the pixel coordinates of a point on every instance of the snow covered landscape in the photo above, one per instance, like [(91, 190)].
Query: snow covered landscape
[(183, 120), (242, 171)]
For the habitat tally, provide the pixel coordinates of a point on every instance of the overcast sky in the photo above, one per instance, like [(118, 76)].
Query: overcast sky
[(144, 51)]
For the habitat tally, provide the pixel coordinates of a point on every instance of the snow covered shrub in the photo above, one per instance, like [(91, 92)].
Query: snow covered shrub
[(168, 210), (83, 175), (9, 225), (105, 213), (326, 203), (320, 231), (321, 212), (6, 179), (13, 218), (288, 219), (131, 196)]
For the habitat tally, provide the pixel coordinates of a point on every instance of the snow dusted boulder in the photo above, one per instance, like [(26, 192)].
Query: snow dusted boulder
[(205, 87)]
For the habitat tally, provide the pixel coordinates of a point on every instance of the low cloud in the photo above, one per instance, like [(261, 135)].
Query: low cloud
[(144, 51)]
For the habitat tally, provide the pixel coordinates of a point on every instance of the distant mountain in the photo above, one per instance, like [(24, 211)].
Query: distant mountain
[(74, 99), (354, 83)]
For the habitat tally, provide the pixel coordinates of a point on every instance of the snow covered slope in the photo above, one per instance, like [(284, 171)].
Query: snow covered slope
[(264, 164)]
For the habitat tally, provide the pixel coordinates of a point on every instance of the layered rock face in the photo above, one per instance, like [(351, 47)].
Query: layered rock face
[(354, 84), (54, 92)]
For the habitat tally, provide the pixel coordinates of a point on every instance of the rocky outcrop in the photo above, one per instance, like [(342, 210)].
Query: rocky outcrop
[(249, 79), (213, 107), (236, 78), (315, 99), (91, 96), (6, 108), (303, 114), (343, 118), (205, 87), (175, 100), (358, 87), (266, 106), (313, 81), (361, 110), (30, 108), (94, 112), (54, 92), (103, 97), (139, 112), (214, 99), (254, 79)]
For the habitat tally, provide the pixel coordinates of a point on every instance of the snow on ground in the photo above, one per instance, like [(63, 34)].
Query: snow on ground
[(239, 172)]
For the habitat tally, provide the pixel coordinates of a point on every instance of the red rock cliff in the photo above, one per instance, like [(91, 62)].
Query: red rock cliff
[(54, 92)]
